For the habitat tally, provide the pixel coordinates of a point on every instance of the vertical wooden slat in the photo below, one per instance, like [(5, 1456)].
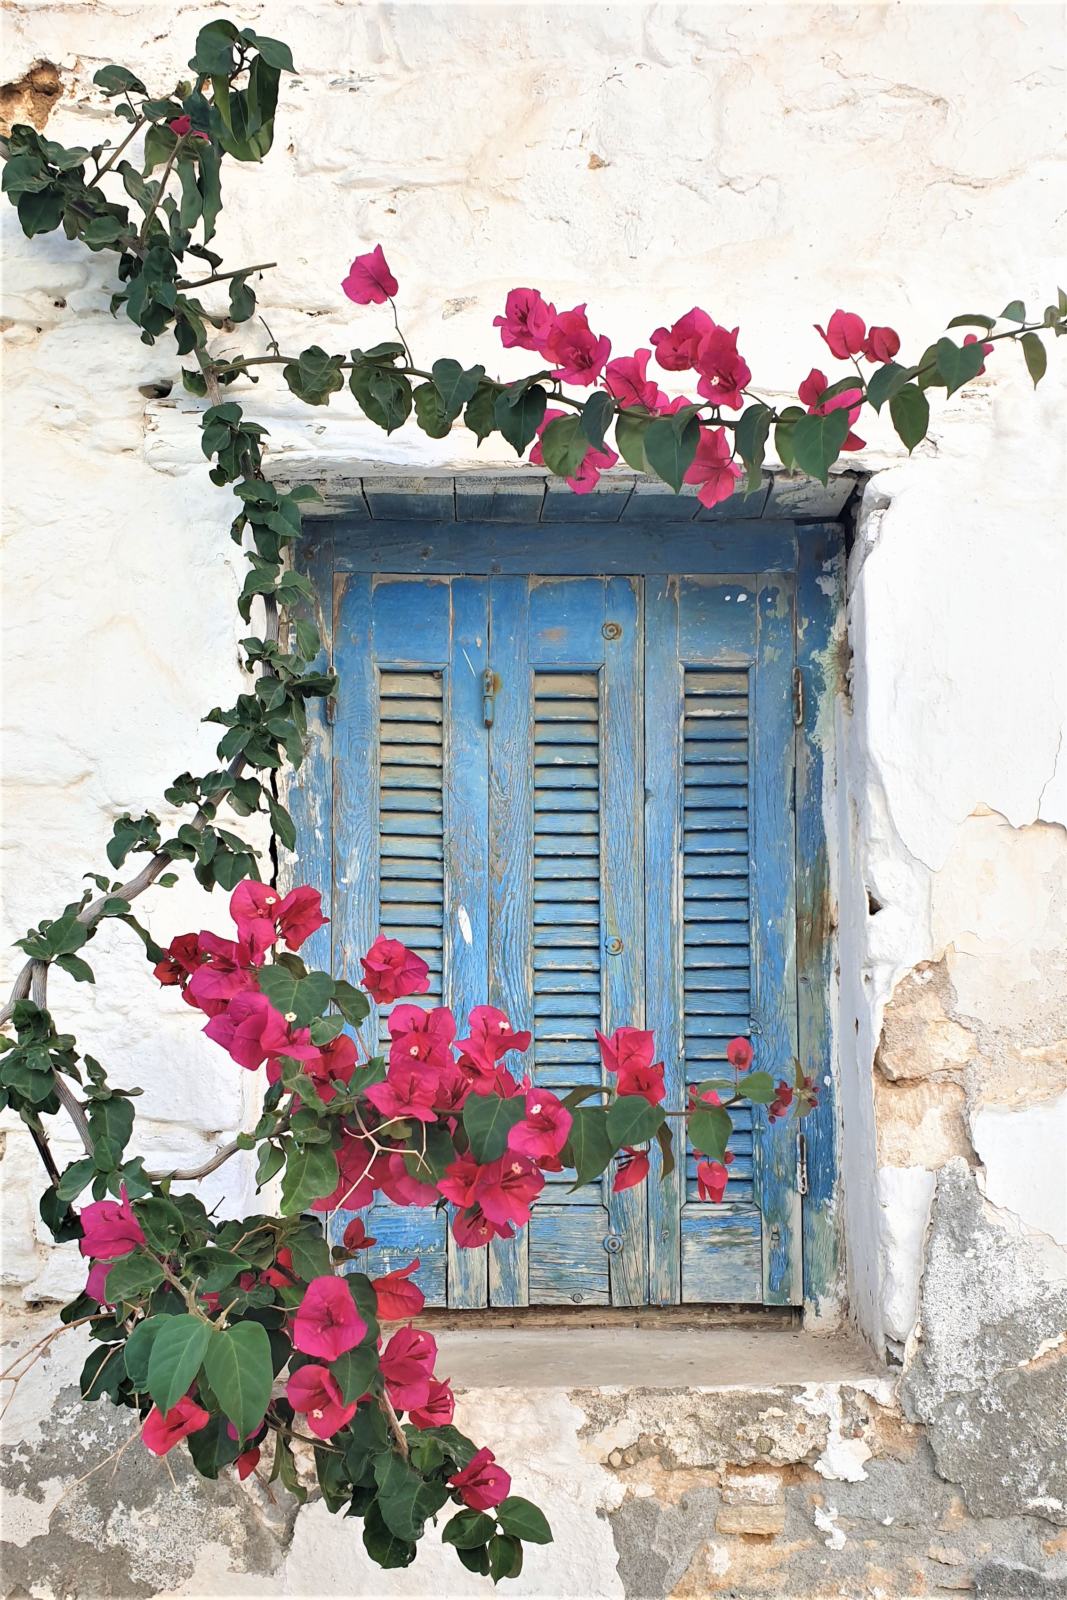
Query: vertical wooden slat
[(663, 925), (466, 861), (310, 793), (622, 879), (820, 658), (774, 923), (511, 853)]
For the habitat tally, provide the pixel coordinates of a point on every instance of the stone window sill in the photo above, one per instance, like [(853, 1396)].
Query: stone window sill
[(749, 1357)]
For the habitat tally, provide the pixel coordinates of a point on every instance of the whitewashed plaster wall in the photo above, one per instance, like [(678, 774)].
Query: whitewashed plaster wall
[(767, 162)]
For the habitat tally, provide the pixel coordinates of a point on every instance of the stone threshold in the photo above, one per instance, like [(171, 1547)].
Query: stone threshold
[(573, 1357)]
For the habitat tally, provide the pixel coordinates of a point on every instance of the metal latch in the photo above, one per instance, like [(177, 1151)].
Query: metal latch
[(802, 1164), (798, 698), (490, 685)]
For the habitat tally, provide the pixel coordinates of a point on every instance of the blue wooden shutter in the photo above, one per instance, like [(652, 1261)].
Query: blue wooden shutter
[(565, 929), (721, 916), (411, 829)]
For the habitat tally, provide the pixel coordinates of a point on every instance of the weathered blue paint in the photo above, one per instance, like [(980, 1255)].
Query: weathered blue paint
[(822, 660), (499, 852)]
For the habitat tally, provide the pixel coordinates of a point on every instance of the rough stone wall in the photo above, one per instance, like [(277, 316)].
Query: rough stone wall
[(771, 163)]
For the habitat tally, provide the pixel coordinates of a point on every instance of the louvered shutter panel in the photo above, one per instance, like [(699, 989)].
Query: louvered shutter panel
[(721, 854), (566, 918), (411, 827)]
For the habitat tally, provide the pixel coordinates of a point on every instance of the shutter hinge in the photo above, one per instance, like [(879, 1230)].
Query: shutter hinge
[(490, 685), (802, 1164), (798, 698)]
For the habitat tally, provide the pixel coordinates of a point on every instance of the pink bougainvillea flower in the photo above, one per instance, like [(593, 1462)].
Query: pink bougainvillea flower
[(397, 1296), (544, 1128), (483, 1483), (356, 1237), (472, 1229), (632, 1169), (223, 971), (644, 1081), (409, 1092), (882, 344), (282, 1275), (180, 126), (398, 1184), (263, 915), (723, 372), (109, 1229), (527, 321), (627, 379), (315, 1391), (327, 1322), (161, 1433), (815, 385), (739, 1054), (407, 1367), (491, 1035), (247, 1463), (331, 1063), (783, 1099), (421, 1036), (355, 1182), (369, 281), (712, 1178), (677, 346), (712, 468), (987, 349), (439, 1409), (250, 1029), (453, 1087), (627, 1047), (845, 333), (508, 1188), (391, 971), (575, 349), (593, 463), (460, 1180), (181, 960)]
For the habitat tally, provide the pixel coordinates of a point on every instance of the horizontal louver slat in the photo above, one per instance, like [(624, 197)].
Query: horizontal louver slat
[(566, 900), (411, 818), (716, 861)]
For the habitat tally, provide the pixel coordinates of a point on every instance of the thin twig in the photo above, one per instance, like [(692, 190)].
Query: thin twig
[(386, 1406), (110, 162), (220, 277)]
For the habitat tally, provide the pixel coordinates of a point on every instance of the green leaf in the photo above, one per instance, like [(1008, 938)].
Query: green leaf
[(670, 445), (589, 1148), (76, 968), (351, 1002), (564, 446), (212, 1447), (666, 1149), (476, 1560), (310, 1174), (314, 376), (630, 437), (479, 416), (709, 1131), (468, 1529), (175, 1359), (273, 51), (405, 1498), (383, 1547), (519, 416), (237, 1365), (271, 1161), (131, 1278), (1014, 311), (118, 80), (817, 442), (103, 1373), (957, 364), (455, 385), (596, 417), (298, 999), (383, 396), (884, 384), (631, 1120), (137, 1351), (488, 1119), (505, 1557), (783, 435), (214, 55), (282, 823), (757, 1087), (751, 440), (975, 319), (1035, 356), (355, 1371), (430, 413), (910, 411), (523, 1519)]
